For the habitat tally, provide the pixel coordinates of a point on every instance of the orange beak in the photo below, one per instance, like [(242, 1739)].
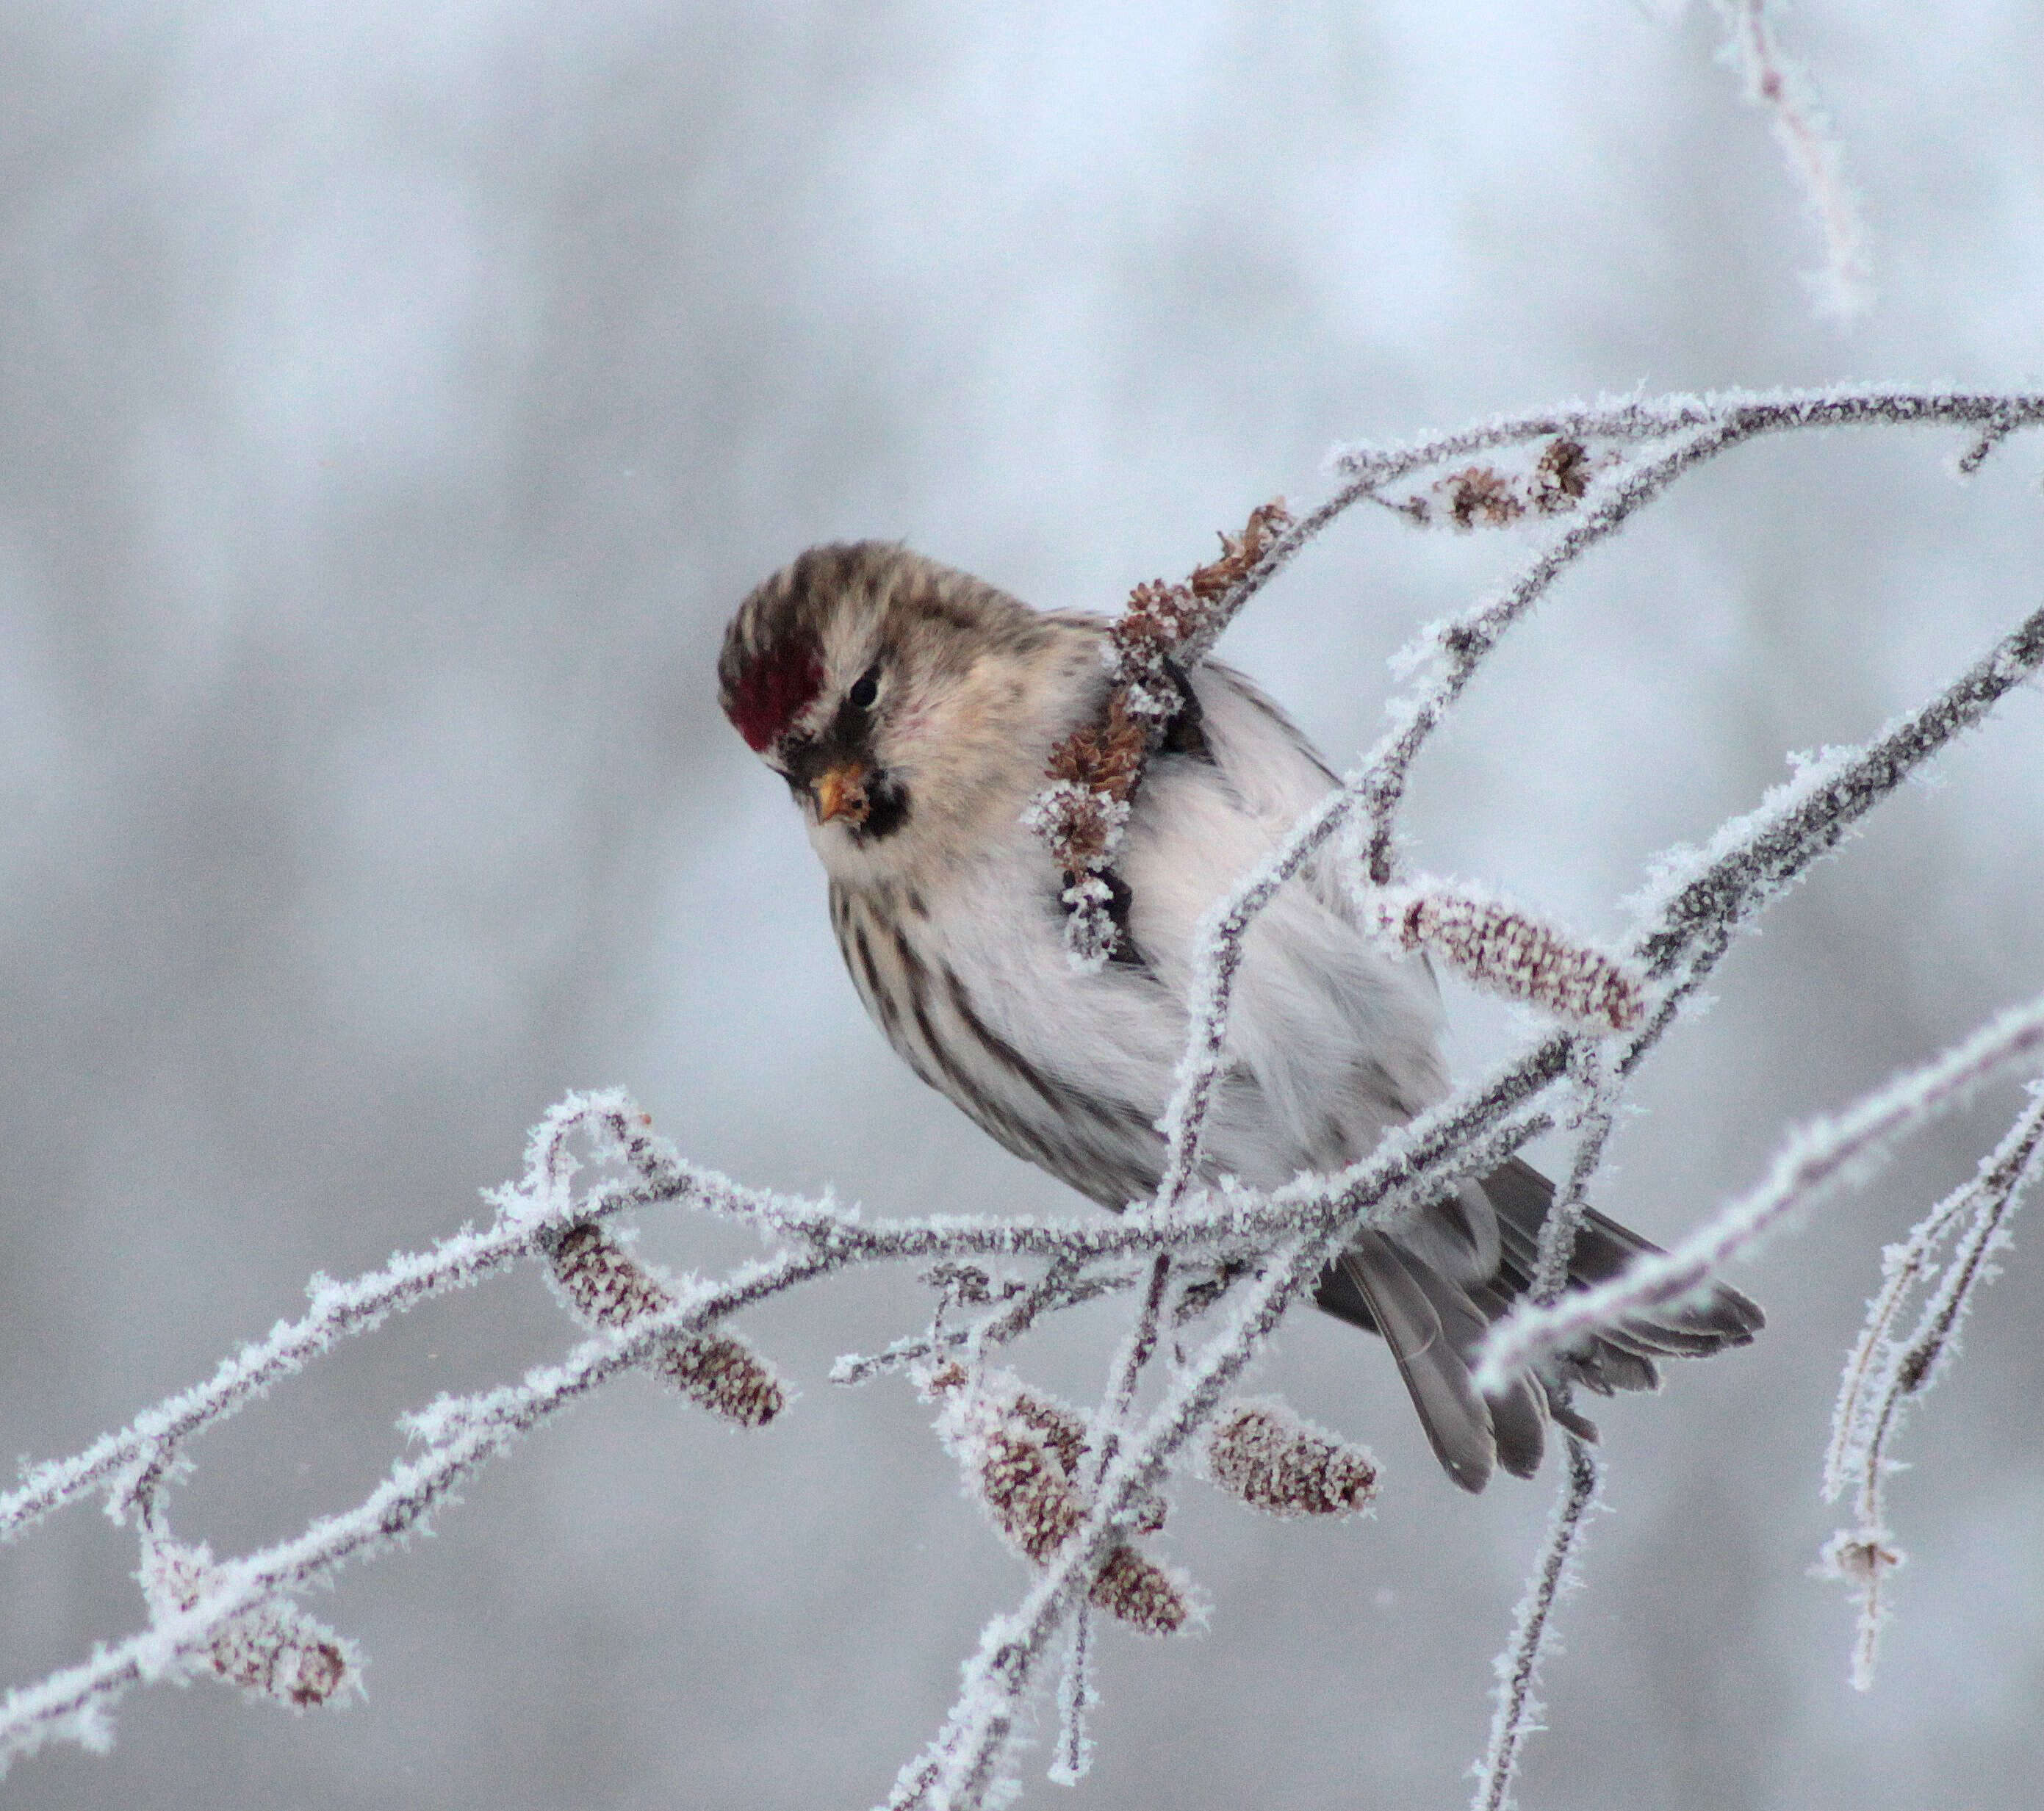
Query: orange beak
[(841, 793)]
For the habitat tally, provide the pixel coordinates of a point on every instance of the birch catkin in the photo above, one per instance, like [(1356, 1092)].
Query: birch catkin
[(717, 1371)]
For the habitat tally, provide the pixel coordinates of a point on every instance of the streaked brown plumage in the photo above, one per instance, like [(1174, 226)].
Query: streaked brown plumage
[(912, 710)]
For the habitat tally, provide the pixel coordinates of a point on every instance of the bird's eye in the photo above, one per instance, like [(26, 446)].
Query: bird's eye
[(864, 689)]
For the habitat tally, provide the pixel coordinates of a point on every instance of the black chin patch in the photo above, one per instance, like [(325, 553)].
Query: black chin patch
[(886, 809)]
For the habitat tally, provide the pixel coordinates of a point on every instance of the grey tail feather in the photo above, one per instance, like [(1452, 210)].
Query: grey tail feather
[(1436, 1375), (1719, 1317), (1434, 1324)]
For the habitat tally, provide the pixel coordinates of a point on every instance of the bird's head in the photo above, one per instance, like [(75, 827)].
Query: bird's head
[(908, 706)]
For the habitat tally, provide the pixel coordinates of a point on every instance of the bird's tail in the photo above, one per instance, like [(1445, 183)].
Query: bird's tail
[(1434, 1322)]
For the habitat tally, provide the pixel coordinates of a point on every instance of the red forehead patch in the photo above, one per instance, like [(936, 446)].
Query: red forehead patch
[(772, 691)]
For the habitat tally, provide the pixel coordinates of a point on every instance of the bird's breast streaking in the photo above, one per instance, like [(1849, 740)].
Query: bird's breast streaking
[(912, 710)]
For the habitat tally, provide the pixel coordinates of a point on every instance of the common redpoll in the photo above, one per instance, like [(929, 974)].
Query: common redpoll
[(912, 710)]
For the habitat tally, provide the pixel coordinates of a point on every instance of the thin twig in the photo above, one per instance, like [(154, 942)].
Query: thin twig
[(1077, 1696), (1597, 1107), (467, 1433), (1816, 1162), (1842, 286), (1519, 1708), (1884, 1374)]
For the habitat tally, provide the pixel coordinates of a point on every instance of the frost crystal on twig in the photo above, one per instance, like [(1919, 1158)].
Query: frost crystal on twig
[(1843, 285), (1073, 1760), (1518, 1668), (1265, 1455), (1597, 1104)]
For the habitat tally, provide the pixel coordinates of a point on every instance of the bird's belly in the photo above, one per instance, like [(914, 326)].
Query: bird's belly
[(1072, 1070)]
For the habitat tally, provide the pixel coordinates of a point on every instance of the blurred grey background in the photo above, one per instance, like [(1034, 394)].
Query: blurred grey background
[(397, 399)]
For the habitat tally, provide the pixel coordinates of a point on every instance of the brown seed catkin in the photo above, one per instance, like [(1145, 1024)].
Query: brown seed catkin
[(273, 1647), (1022, 1454), (1500, 947), (1263, 1455), (717, 1370)]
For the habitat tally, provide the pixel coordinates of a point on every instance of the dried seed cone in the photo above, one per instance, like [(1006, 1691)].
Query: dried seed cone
[(1094, 772), (1063, 1430), (1037, 1508), (1263, 1454), (602, 1280), (1023, 1454), (1481, 497), (1860, 1556), (285, 1655), (1561, 476), (1033, 1501), (718, 1371), (1502, 948), (1140, 1593), (274, 1648)]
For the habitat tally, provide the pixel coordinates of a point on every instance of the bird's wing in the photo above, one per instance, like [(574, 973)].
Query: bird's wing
[(1332, 1040)]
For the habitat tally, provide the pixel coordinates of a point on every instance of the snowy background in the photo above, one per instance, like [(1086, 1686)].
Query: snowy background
[(397, 400)]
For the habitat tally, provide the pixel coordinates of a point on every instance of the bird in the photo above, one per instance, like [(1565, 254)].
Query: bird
[(913, 708)]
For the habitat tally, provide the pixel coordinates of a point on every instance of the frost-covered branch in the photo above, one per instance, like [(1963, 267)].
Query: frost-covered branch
[(1814, 1164), (1842, 286), (1597, 1098), (462, 1435), (339, 1311), (1372, 466), (1885, 1373), (1737, 876), (1518, 1707), (1211, 1267)]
